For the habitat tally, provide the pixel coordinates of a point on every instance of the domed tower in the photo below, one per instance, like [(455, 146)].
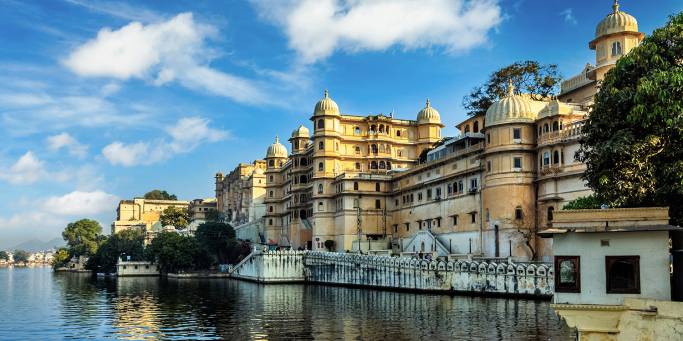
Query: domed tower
[(276, 156), (299, 139), (615, 36), (219, 191), (508, 195), (428, 127), (325, 164)]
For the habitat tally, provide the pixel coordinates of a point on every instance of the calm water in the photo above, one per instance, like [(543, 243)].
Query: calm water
[(36, 304)]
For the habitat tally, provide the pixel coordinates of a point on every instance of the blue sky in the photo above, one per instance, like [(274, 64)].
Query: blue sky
[(106, 100)]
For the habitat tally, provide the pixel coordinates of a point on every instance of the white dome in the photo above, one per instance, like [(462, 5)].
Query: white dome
[(300, 132), (326, 106), (616, 22), (276, 149), (511, 109), (428, 115)]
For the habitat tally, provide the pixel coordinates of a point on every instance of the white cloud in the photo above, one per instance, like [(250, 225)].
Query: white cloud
[(161, 52), (568, 15), (185, 135), (316, 28), (64, 140), (78, 203), (27, 169)]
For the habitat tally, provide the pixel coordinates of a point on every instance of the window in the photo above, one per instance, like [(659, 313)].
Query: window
[(488, 215), (377, 187), (467, 128), (429, 193), (556, 126), (357, 150), (519, 214), (567, 274), (373, 165), (474, 183), (407, 227), (488, 166), (321, 124), (475, 127), (398, 133), (616, 49), (449, 189), (320, 166), (550, 213), (382, 165), (357, 165), (321, 145), (270, 208), (623, 274), (396, 203), (517, 162), (438, 192), (356, 131), (373, 149), (378, 204), (271, 163), (270, 221), (355, 203), (516, 133), (556, 157), (455, 220), (320, 188), (488, 138), (419, 196), (473, 215), (395, 228), (460, 186), (355, 186), (321, 207), (270, 178), (546, 158), (270, 194), (546, 128)]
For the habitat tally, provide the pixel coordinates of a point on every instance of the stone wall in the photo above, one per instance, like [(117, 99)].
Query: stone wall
[(469, 277)]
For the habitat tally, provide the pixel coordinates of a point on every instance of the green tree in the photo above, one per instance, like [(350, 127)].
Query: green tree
[(178, 217), (4, 255), (530, 77), (82, 237), (174, 252), (592, 201), (160, 195), (60, 258), (213, 216), (217, 239), (632, 140), (124, 243), (20, 256)]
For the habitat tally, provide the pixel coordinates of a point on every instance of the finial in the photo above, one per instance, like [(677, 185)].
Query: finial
[(615, 7), (326, 94), (277, 139), (511, 87), (428, 103)]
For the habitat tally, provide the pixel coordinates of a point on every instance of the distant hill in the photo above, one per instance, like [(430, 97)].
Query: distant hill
[(39, 245)]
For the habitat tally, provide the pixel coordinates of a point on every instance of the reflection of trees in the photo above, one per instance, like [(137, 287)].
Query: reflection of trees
[(79, 299)]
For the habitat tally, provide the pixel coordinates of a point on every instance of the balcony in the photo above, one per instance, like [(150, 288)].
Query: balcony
[(570, 132)]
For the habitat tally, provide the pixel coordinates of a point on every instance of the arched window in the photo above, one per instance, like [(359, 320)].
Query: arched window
[(304, 162), (373, 165), (467, 128), (381, 148), (373, 128), (546, 128), (556, 126), (270, 194), (321, 145), (382, 165), (616, 49), (399, 153), (357, 150), (270, 208), (320, 188), (556, 157), (546, 158), (398, 133), (388, 165), (320, 206), (356, 131), (373, 148), (321, 124), (519, 214), (550, 213), (377, 187), (296, 162), (271, 163), (355, 185), (381, 128), (357, 165), (296, 144), (320, 166), (475, 127), (302, 179)]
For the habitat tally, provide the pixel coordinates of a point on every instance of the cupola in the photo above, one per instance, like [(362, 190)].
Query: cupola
[(428, 115), (616, 22), (276, 150), (511, 109), (302, 131), (326, 106)]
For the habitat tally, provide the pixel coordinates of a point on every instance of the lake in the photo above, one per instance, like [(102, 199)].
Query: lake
[(37, 304)]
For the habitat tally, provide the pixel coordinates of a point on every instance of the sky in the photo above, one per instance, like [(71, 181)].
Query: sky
[(101, 101)]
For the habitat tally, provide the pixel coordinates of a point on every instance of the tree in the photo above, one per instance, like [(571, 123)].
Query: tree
[(124, 243), (213, 216), (178, 217), (632, 140), (20, 256), (60, 258), (4, 255), (531, 77), (82, 237), (592, 201), (174, 252), (217, 239), (160, 195)]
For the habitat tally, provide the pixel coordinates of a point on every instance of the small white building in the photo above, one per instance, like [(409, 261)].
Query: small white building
[(613, 271), (136, 268)]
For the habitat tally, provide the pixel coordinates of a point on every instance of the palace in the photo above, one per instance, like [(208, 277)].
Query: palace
[(383, 183)]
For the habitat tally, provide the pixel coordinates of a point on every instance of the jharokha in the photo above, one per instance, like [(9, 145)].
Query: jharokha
[(378, 182)]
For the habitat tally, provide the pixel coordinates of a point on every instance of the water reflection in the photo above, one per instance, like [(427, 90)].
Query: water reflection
[(71, 306)]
